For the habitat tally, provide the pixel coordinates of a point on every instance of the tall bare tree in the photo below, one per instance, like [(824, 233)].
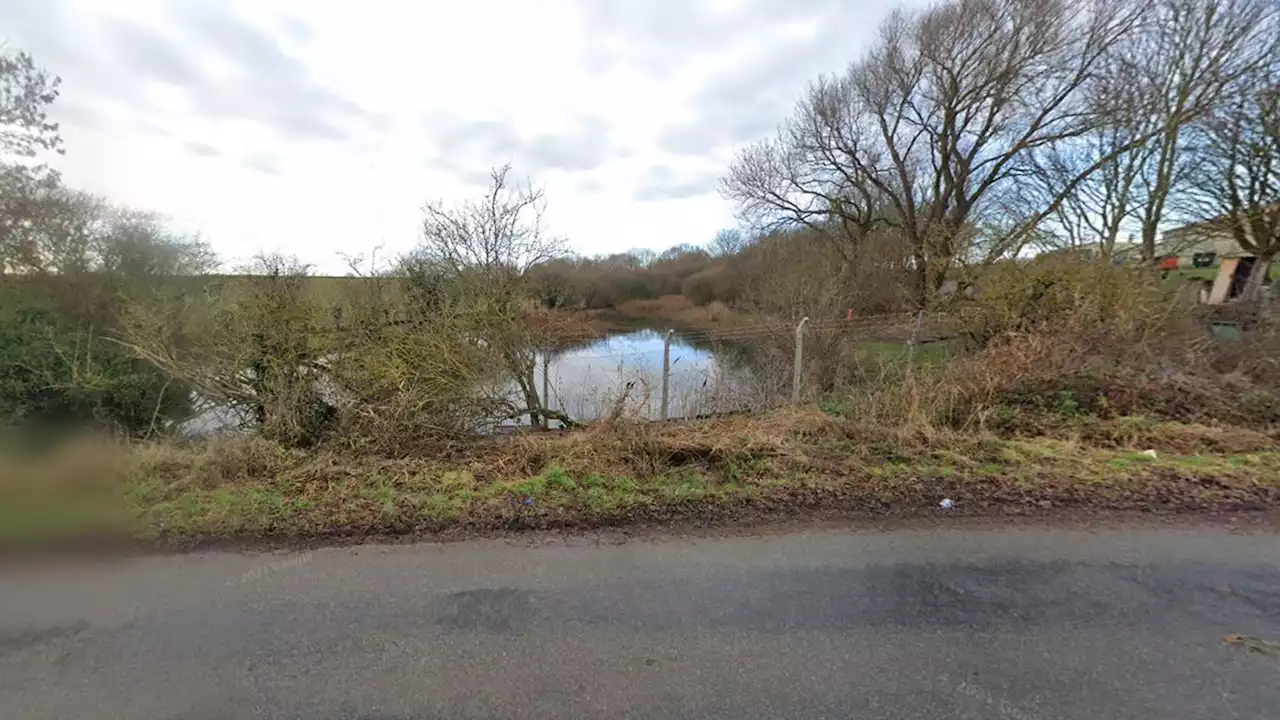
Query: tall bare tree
[(1177, 65), (925, 131), (1101, 207), (1237, 179)]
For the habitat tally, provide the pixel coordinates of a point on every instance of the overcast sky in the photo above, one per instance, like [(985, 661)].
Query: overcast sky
[(318, 128)]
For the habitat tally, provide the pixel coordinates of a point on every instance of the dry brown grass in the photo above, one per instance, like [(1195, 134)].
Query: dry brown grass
[(802, 440), (778, 465), (213, 464), (1058, 408), (648, 449), (678, 311), (1035, 385), (1057, 343), (563, 326), (665, 306)]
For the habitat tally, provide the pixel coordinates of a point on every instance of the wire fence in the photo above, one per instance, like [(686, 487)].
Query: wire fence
[(659, 375), (656, 375)]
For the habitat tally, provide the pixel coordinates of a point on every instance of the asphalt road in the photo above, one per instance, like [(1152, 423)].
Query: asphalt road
[(1004, 625)]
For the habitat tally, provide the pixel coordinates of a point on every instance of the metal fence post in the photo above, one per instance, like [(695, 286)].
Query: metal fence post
[(546, 394), (795, 373), (911, 344), (666, 372)]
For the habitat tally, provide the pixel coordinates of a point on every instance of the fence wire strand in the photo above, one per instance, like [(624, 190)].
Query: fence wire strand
[(719, 370)]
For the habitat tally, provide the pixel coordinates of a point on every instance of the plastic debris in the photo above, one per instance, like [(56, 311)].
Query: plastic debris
[(528, 500), (947, 504), (1150, 453)]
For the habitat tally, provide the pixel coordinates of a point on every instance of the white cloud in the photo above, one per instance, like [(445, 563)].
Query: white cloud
[(318, 128)]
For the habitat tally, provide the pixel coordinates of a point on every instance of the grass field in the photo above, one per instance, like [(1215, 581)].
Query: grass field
[(793, 463)]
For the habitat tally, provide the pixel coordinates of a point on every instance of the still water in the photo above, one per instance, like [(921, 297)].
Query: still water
[(588, 382), (620, 374)]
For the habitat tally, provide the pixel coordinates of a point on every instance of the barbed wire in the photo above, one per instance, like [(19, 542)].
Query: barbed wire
[(597, 377), (571, 356), (823, 326), (878, 325)]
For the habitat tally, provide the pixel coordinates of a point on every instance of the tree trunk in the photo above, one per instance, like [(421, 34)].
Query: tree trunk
[(522, 369), (1148, 251), (536, 417), (1256, 277)]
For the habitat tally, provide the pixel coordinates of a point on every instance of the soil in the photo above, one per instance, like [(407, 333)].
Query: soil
[(761, 524)]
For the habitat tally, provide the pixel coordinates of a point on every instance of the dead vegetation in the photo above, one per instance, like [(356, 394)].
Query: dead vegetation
[(1082, 387), (673, 310), (1055, 340), (1067, 382), (786, 464)]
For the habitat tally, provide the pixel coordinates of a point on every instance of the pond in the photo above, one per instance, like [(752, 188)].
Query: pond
[(621, 374), (588, 381)]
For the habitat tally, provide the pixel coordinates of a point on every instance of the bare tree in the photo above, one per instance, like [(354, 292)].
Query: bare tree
[(477, 256), (728, 242), (643, 257), (1237, 180), (499, 237), (947, 110), (1201, 49), (1102, 205), (59, 232), (1174, 67)]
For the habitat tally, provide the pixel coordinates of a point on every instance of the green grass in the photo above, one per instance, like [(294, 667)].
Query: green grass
[(875, 354), (172, 495), (378, 505), (1045, 470)]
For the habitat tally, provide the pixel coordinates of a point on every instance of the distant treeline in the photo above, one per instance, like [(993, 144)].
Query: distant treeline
[(777, 273)]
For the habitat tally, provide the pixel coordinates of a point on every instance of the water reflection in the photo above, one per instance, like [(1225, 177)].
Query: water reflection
[(587, 382), (620, 373)]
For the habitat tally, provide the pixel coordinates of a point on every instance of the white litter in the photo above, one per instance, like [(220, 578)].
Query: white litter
[(1151, 454), (947, 504)]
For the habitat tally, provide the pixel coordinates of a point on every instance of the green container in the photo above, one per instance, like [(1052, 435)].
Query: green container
[(1229, 331)]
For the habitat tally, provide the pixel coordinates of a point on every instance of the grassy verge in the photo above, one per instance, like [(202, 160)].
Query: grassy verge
[(783, 466)]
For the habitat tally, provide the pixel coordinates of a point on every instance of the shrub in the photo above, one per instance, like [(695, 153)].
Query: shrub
[(253, 344), (1053, 339), (1091, 304), (703, 287), (54, 376)]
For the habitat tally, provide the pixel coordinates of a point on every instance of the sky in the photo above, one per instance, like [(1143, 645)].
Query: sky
[(318, 129)]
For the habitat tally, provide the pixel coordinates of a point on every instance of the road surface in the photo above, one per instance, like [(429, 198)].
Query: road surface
[(1021, 624)]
